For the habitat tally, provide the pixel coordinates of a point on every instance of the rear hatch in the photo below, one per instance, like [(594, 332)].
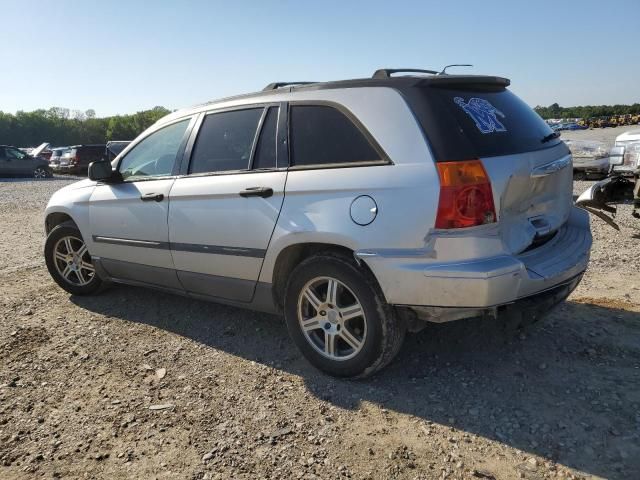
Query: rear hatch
[(468, 118), (66, 157)]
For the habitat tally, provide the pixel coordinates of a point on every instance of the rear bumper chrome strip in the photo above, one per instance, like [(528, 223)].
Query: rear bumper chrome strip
[(552, 167)]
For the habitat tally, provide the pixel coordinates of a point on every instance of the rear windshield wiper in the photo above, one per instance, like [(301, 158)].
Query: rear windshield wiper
[(550, 137)]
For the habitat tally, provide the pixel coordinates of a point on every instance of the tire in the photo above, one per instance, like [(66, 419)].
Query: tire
[(41, 172), (358, 346), (69, 262)]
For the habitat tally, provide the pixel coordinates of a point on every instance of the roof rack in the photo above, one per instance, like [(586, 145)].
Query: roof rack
[(387, 72), (274, 85)]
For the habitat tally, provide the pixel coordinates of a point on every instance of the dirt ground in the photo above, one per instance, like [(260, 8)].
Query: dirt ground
[(139, 384)]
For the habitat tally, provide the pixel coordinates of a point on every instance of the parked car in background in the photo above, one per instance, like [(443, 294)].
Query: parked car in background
[(15, 162), (567, 126), (590, 158), (114, 147), (78, 157), (54, 160), (574, 126), (359, 209)]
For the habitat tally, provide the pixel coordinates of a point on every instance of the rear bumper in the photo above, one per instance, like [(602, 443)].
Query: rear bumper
[(534, 306), (488, 282)]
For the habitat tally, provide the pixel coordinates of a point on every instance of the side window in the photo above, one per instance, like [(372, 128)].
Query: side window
[(155, 155), (323, 135), (14, 153), (225, 141), (265, 156)]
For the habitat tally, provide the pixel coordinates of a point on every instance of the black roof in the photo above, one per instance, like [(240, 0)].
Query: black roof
[(399, 82)]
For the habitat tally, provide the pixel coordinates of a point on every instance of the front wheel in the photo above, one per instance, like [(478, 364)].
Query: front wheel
[(339, 319), (69, 261), (41, 172)]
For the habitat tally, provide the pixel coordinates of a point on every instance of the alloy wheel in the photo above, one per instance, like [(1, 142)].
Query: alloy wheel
[(332, 318), (39, 173), (72, 261)]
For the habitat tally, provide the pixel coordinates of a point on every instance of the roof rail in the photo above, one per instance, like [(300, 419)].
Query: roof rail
[(274, 85), (386, 72)]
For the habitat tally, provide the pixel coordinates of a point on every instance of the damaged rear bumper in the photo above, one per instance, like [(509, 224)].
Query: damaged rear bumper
[(454, 290)]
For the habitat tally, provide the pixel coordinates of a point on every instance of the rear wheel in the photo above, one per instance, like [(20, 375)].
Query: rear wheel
[(338, 317), (69, 261)]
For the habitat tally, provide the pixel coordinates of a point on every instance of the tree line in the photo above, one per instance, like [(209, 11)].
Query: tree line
[(586, 111), (62, 127)]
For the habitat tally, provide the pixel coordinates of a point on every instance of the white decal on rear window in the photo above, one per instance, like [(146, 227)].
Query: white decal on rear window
[(483, 114)]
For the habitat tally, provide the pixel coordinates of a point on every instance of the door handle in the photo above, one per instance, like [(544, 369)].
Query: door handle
[(263, 192), (156, 197)]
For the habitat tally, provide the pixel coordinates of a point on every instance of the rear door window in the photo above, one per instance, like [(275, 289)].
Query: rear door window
[(225, 141), (466, 123), (265, 155), (323, 135)]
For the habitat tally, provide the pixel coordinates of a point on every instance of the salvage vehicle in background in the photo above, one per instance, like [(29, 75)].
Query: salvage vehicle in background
[(628, 165), (623, 186), (359, 209), (78, 157), (15, 162), (590, 158)]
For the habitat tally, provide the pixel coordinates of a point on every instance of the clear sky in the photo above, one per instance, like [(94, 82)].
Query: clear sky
[(122, 56)]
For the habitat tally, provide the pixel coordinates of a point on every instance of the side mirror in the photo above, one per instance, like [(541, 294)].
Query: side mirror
[(616, 156), (100, 171)]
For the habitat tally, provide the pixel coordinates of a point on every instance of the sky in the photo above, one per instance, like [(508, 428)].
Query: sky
[(120, 57)]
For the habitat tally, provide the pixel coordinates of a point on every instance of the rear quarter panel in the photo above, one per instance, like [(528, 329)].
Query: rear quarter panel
[(318, 201)]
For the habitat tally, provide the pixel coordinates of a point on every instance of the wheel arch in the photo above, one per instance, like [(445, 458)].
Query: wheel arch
[(54, 219), (292, 255)]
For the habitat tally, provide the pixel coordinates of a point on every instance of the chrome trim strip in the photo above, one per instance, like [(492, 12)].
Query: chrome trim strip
[(183, 247), (131, 242), (552, 167)]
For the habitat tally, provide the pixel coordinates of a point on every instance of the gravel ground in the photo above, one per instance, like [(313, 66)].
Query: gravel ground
[(139, 384)]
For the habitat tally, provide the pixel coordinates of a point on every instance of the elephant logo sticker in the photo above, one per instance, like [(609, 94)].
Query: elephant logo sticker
[(484, 115)]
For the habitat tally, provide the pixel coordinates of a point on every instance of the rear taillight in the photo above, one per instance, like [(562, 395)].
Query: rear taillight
[(466, 199)]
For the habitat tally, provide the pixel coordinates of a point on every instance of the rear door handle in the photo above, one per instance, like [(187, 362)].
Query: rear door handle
[(156, 197), (263, 192)]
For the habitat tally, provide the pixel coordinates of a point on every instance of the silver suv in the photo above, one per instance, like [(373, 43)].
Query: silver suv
[(359, 209)]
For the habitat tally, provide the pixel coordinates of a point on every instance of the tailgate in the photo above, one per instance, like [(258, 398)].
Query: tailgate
[(529, 167), (533, 194)]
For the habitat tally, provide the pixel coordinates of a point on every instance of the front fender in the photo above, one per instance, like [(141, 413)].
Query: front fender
[(73, 202)]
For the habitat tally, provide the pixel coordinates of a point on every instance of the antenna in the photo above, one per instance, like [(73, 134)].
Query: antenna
[(276, 85), (444, 72)]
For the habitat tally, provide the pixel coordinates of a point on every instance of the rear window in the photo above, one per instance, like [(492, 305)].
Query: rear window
[(322, 135), (478, 122)]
